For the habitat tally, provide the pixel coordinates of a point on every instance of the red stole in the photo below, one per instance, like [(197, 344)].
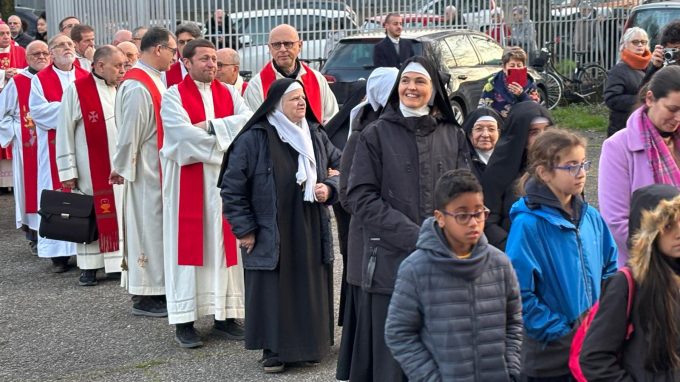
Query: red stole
[(100, 163), (49, 80), (29, 144), (243, 88), (191, 192), (174, 75), (15, 58), (140, 75), (309, 81)]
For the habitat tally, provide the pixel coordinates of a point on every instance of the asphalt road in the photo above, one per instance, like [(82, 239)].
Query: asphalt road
[(51, 329)]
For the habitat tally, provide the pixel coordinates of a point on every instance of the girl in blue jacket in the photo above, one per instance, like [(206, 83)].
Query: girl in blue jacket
[(561, 250)]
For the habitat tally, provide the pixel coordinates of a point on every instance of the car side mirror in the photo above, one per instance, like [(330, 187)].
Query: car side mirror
[(244, 40)]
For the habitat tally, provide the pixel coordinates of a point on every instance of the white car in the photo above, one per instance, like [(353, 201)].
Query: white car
[(313, 25)]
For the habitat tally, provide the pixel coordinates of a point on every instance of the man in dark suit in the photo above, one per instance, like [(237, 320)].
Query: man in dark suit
[(393, 50)]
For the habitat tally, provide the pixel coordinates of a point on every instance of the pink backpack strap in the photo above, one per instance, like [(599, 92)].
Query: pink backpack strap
[(631, 294)]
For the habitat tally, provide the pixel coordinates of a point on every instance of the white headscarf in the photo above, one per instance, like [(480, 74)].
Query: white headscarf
[(484, 156), (299, 137), (378, 88), (415, 67)]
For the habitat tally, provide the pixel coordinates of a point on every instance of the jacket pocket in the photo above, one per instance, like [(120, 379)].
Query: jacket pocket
[(380, 264)]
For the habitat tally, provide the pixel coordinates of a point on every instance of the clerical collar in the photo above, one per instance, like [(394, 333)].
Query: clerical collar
[(293, 74), (5, 50), (31, 70), (152, 69), (394, 40)]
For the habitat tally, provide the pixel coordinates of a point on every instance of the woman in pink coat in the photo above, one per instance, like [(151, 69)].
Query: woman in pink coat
[(647, 151)]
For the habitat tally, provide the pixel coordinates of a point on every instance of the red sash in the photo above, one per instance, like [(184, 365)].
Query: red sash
[(15, 58), (174, 75), (243, 88), (29, 144), (191, 193), (309, 81), (100, 163), (143, 77), (49, 80)]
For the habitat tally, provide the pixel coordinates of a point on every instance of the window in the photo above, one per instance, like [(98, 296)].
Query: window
[(490, 52), (441, 53), (653, 21), (352, 54), (462, 50)]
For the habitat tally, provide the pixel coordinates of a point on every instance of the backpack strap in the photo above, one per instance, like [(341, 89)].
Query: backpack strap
[(631, 294)]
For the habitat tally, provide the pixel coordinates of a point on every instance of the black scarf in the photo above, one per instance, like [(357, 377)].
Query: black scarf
[(293, 75)]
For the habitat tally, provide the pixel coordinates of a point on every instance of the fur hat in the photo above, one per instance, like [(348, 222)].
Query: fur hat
[(653, 223)]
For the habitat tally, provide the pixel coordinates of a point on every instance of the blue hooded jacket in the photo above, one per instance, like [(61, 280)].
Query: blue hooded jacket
[(560, 266)]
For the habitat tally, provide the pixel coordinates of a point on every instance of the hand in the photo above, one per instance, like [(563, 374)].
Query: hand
[(202, 125), (333, 172), (10, 72), (89, 53), (515, 88), (115, 178), (247, 242), (70, 184), (321, 192), (657, 56)]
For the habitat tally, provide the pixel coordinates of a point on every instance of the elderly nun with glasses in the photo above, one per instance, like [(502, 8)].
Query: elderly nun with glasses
[(275, 189), (401, 156)]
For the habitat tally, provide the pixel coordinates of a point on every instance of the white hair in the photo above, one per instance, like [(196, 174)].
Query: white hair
[(629, 34)]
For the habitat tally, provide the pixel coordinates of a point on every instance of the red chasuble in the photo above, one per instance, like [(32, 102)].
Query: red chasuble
[(174, 75), (191, 192), (100, 164), (49, 80), (15, 58), (29, 144), (141, 76), (309, 81)]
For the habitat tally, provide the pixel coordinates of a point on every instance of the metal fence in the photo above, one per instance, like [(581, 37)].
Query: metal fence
[(246, 24)]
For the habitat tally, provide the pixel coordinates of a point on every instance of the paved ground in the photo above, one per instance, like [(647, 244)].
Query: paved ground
[(53, 330)]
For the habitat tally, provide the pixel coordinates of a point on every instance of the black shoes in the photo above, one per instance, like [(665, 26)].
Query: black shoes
[(229, 329), (186, 336), (33, 245), (271, 363), (59, 264), (88, 277), (150, 306)]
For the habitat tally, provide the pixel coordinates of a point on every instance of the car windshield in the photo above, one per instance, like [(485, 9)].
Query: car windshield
[(351, 54), (310, 27), (653, 21)]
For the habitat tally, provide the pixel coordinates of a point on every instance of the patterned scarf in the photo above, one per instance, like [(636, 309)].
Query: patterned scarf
[(660, 158)]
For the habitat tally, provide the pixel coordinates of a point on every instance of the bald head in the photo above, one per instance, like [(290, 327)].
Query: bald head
[(285, 47), (228, 63), (131, 53), (122, 36), (37, 55), (109, 64), (5, 36)]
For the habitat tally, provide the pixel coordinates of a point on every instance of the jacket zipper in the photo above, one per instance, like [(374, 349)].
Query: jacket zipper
[(474, 332), (583, 268)]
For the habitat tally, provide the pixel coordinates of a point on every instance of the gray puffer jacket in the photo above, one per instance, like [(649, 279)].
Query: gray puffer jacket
[(454, 319)]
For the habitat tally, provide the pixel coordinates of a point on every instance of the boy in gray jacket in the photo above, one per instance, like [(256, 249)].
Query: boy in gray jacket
[(456, 313)]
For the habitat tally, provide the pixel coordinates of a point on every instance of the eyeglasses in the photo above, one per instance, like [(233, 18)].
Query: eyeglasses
[(40, 54), (463, 218), (173, 50), (575, 169), (481, 129), (639, 42), (221, 65), (286, 44)]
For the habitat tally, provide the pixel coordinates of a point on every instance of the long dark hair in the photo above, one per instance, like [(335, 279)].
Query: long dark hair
[(658, 297)]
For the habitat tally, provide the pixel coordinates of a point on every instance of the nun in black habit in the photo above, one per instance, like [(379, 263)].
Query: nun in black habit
[(275, 189), (397, 162), (480, 158), (507, 164)]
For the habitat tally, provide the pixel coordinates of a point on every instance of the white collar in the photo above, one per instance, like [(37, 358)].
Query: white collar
[(394, 40)]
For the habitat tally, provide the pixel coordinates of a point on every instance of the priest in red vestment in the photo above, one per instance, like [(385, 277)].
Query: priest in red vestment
[(184, 33)]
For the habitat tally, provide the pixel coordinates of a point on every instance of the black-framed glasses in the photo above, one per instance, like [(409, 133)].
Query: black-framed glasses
[(286, 44), (463, 218), (575, 169), (639, 42), (173, 50)]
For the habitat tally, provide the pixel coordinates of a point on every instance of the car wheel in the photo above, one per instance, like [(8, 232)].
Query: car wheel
[(458, 111)]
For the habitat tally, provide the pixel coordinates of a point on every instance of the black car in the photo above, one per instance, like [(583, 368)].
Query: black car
[(467, 57)]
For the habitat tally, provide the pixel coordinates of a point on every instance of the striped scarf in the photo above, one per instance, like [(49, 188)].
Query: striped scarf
[(660, 158)]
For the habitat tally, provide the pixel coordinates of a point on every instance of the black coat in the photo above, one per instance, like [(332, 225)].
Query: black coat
[(606, 338), (384, 53), (477, 165), (249, 192), (23, 39), (621, 94)]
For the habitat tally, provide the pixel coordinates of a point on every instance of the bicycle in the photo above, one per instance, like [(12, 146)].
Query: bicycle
[(587, 82)]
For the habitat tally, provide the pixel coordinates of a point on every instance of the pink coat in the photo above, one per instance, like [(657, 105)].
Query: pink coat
[(624, 168)]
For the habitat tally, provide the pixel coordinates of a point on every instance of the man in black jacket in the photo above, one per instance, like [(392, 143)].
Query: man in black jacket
[(670, 38), (393, 50)]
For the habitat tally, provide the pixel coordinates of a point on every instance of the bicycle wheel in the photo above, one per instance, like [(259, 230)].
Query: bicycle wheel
[(553, 88), (591, 82)]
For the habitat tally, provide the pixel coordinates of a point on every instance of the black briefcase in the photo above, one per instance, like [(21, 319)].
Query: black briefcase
[(67, 216)]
